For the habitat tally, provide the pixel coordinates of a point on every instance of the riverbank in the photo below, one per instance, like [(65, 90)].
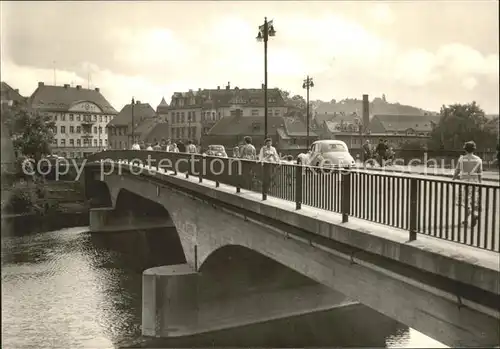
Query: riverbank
[(78, 215)]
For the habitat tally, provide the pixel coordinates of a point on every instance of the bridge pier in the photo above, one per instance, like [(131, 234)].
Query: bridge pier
[(108, 219), (179, 301)]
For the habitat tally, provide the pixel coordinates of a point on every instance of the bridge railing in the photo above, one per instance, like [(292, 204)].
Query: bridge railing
[(456, 211)]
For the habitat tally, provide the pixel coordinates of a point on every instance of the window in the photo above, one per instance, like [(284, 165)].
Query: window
[(71, 117), (55, 142), (100, 129), (78, 129), (105, 118), (78, 118), (72, 142), (177, 118), (78, 143), (55, 117), (63, 117), (63, 129), (95, 142), (71, 129), (100, 118), (63, 142), (95, 117), (255, 112), (105, 141), (100, 141), (119, 144), (277, 112), (95, 129), (182, 117)]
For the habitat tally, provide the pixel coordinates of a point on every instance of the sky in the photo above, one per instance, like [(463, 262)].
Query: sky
[(421, 53)]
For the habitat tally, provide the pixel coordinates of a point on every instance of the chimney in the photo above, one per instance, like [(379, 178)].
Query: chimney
[(366, 113), (65, 85), (199, 89), (228, 85), (40, 84), (218, 87), (78, 87), (97, 89), (137, 102), (17, 90)]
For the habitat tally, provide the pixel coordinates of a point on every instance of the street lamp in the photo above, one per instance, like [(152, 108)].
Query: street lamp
[(265, 31), (133, 122), (308, 83)]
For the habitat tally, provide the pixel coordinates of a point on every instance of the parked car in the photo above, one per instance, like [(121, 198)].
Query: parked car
[(327, 153), (216, 150)]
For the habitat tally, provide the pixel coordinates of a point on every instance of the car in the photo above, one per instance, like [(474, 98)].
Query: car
[(216, 150), (327, 153)]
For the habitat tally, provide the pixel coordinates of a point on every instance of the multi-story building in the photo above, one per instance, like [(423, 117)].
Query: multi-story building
[(120, 129), (80, 117), (192, 114), (10, 96)]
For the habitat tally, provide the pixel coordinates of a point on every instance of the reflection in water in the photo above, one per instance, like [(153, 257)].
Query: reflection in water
[(73, 289)]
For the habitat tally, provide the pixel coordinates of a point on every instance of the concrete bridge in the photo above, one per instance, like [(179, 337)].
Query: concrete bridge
[(444, 289)]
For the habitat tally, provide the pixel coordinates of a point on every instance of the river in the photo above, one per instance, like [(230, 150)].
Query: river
[(72, 289)]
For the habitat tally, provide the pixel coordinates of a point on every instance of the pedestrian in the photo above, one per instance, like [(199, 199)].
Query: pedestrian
[(248, 151), (268, 153), (136, 146), (236, 152), (157, 147), (191, 148), (149, 147), (174, 148), (367, 151), (470, 169), (181, 147), (381, 151)]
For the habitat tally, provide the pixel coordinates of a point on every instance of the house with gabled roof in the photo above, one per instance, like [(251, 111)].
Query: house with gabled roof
[(192, 114), (80, 117), (138, 118), (9, 96)]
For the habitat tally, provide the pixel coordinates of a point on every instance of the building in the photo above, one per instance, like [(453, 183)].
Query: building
[(119, 130), (10, 96), (80, 117), (397, 129), (192, 114), (288, 133)]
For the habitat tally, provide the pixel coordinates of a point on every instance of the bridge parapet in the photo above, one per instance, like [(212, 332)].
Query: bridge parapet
[(457, 211)]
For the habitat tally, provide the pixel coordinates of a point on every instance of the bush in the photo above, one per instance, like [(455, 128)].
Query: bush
[(18, 201)]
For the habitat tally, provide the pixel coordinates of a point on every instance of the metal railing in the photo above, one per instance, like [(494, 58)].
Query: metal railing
[(439, 208)]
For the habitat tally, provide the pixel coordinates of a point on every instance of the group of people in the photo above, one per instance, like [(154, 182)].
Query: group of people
[(166, 145), (383, 153), (267, 153)]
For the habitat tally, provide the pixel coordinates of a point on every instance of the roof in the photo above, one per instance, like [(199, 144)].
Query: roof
[(215, 98), (60, 98), (159, 131), (7, 93), (295, 127), (399, 123), (145, 126), (246, 125), (141, 111)]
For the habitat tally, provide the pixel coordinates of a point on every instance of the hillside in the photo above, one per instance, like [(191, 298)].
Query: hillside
[(377, 106)]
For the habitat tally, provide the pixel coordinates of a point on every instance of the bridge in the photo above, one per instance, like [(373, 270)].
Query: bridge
[(312, 240)]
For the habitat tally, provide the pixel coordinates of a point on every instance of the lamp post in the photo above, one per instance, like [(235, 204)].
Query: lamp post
[(265, 31), (133, 122), (308, 83)]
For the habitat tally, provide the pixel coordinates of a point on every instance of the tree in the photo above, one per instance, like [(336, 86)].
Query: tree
[(30, 131), (460, 123)]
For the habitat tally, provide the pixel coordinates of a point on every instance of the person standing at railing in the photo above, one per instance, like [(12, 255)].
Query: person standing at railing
[(248, 151), (470, 169), (381, 151), (174, 148), (136, 146), (157, 147), (268, 153), (236, 152), (181, 147), (191, 148)]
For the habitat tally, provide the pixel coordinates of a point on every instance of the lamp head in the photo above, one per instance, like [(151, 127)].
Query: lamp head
[(272, 32), (259, 37), (304, 85), (311, 84)]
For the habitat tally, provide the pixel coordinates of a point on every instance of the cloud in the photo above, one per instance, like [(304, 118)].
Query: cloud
[(150, 57)]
